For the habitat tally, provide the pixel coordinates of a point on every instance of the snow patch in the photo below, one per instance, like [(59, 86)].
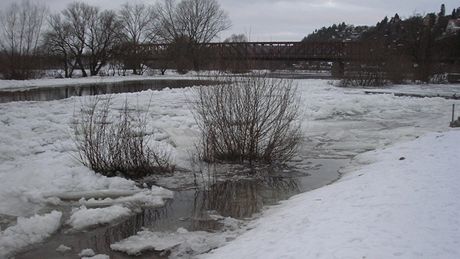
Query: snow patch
[(63, 249), (180, 243), (87, 252), (385, 209), (82, 218), (153, 197), (28, 231), (98, 256)]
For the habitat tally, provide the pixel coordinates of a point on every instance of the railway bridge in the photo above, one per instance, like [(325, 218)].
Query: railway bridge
[(297, 51), (344, 56)]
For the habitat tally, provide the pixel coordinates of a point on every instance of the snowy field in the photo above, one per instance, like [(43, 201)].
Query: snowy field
[(38, 168)]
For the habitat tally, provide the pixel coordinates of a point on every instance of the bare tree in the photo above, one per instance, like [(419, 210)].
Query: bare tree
[(138, 25), (199, 20), (82, 34), (56, 41), (102, 30), (248, 119), (237, 38), (20, 35), (169, 29), (190, 22), (78, 16)]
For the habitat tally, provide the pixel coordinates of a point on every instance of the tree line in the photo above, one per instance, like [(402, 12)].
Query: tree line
[(416, 47), (87, 38)]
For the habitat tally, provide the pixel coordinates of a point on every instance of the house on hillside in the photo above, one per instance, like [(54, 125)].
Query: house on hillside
[(453, 26)]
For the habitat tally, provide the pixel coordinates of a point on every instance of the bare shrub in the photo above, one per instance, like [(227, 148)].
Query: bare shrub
[(117, 144), (364, 75), (248, 119)]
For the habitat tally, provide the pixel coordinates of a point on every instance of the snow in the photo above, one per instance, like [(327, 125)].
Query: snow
[(87, 252), (425, 89), (90, 254), (37, 158), (401, 201), (38, 169), (82, 218), (154, 197), (98, 256), (13, 85), (63, 249), (180, 243), (28, 231)]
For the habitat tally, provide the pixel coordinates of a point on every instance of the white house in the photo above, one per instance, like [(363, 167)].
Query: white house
[(453, 26)]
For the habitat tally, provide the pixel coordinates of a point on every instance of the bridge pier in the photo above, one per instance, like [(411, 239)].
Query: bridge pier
[(338, 69)]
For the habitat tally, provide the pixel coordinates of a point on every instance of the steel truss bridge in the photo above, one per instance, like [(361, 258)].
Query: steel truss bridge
[(296, 51)]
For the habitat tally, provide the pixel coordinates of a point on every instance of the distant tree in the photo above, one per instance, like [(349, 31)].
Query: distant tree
[(442, 12), (77, 16), (237, 38), (138, 26), (340, 32), (199, 20), (84, 36), (382, 24), (102, 30), (56, 42), (395, 19), (20, 34), (189, 22)]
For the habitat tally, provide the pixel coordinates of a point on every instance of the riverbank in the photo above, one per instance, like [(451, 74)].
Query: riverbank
[(37, 166), (19, 85), (402, 203)]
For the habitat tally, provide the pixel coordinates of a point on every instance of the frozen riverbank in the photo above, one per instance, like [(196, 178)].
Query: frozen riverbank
[(402, 203), (36, 150), (18, 85)]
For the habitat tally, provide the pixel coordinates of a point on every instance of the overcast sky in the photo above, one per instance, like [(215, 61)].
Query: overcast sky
[(285, 20)]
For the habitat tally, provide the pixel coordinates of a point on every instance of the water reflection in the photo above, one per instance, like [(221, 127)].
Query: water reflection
[(191, 209), (242, 198), (66, 91)]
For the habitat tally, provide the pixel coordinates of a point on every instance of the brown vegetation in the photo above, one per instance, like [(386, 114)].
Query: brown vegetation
[(248, 119), (117, 144)]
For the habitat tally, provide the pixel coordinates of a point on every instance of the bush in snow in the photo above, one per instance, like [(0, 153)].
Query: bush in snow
[(248, 119), (364, 75), (117, 144)]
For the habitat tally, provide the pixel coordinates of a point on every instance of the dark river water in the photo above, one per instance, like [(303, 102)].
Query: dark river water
[(65, 91)]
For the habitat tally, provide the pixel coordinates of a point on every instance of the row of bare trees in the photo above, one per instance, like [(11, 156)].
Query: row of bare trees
[(20, 34), (84, 37)]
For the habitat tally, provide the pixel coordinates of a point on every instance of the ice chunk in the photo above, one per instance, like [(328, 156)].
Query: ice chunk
[(87, 252), (63, 249), (28, 231), (82, 218)]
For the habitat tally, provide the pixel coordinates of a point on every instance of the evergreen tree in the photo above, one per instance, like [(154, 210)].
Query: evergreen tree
[(443, 10)]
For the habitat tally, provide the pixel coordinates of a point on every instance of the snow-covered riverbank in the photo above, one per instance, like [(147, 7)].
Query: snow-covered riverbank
[(37, 167), (403, 203), (17, 85)]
